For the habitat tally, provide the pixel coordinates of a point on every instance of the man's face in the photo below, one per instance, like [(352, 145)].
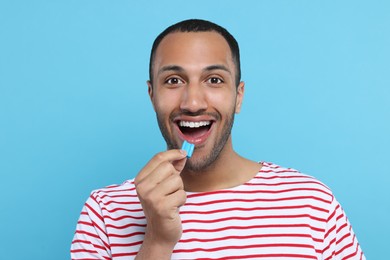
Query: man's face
[(194, 94)]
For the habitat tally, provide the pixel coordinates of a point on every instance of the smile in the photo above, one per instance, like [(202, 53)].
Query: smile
[(195, 132), (194, 124)]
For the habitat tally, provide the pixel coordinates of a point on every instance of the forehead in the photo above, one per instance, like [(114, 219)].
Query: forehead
[(193, 49)]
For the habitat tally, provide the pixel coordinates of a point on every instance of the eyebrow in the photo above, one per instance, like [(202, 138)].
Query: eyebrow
[(217, 67), (170, 68), (177, 68)]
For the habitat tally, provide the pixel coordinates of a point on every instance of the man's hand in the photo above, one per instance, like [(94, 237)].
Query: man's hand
[(161, 192)]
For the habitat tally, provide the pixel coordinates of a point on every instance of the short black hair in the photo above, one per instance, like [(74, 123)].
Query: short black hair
[(198, 25)]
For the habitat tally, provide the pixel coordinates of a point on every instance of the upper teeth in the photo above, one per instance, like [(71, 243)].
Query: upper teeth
[(194, 124)]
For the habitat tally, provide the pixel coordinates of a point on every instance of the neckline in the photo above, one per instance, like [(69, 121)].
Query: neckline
[(262, 169)]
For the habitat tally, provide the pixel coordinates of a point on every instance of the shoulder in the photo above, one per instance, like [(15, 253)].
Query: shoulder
[(292, 181), (113, 203), (117, 192), (273, 171)]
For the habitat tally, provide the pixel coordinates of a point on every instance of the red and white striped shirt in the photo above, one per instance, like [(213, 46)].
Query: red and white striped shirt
[(279, 214)]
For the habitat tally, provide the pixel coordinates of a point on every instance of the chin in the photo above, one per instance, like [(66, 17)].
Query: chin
[(199, 164), (194, 168)]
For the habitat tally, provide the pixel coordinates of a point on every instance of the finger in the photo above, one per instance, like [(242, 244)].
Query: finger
[(179, 164), (154, 178), (177, 199), (171, 184), (159, 196), (170, 156)]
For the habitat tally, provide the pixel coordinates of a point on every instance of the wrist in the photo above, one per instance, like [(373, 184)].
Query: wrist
[(152, 249)]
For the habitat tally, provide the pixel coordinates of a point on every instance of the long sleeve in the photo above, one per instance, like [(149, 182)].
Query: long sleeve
[(90, 240), (340, 241)]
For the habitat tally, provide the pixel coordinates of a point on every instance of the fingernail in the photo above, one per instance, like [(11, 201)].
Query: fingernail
[(184, 152)]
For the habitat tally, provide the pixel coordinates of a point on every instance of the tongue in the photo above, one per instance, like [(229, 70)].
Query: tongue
[(193, 133)]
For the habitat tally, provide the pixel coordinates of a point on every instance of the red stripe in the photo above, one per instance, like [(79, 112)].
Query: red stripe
[(94, 211), (122, 202), (126, 226), (281, 183), (86, 258), (83, 251), (252, 227), (95, 225), (256, 200), (119, 196), (285, 256), (88, 243), (118, 209), (341, 228), (332, 215), (124, 217), (241, 247), (277, 170), (340, 216), (256, 208), (249, 237), (110, 190), (245, 218), (347, 245), (108, 258), (89, 258), (85, 223), (354, 253), (124, 254), (127, 244), (87, 233), (262, 177), (330, 231), (331, 257), (127, 235), (271, 165), (78, 231), (256, 191), (331, 242)]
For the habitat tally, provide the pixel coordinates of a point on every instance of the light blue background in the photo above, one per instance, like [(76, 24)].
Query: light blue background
[(75, 115)]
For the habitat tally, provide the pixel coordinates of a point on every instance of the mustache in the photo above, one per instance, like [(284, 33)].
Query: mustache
[(214, 115)]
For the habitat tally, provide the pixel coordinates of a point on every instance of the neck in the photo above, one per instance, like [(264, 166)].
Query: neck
[(227, 171)]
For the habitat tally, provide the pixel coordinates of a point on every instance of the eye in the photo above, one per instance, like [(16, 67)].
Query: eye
[(174, 81), (215, 80)]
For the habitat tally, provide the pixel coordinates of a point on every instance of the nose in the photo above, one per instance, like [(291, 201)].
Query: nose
[(193, 98)]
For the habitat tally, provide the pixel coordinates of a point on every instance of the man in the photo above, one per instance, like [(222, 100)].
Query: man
[(216, 204)]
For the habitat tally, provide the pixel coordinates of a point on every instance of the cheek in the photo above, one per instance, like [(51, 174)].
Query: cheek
[(165, 103), (223, 101)]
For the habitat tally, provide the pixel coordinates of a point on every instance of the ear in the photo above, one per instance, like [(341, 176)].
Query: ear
[(240, 96), (150, 92)]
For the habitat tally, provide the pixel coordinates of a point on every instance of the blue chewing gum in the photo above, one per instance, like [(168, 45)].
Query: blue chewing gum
[(188, 147)]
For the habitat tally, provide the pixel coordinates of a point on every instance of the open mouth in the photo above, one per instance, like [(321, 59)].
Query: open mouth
[(194, 131)]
